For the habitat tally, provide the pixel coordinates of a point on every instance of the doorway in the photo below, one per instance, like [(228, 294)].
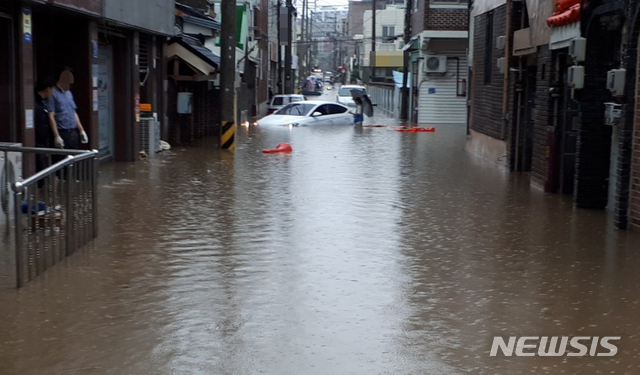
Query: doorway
[(568, 118), (105, 101), (526, 88)]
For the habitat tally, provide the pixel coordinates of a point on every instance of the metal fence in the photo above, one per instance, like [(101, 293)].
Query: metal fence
[(386, 98), (54, 210)]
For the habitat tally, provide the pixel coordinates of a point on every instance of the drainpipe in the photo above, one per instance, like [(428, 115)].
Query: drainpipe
[(505, 89)]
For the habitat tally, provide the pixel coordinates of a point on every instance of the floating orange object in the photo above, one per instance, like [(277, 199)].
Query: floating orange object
[(404, 129), (565, 17), (281, 147)]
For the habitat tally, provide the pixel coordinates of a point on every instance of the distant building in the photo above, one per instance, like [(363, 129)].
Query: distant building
[(328, 29)]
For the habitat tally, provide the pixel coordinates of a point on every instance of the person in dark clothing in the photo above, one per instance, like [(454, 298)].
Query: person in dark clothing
[(43, 106)]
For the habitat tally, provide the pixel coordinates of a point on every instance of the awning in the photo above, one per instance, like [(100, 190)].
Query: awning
[(414, 44), (561, 36), (194, 45), (201, 62), (203, 22), (522, 44), (571, 15)]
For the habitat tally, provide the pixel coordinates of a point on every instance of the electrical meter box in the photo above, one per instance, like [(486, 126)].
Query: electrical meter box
[(578, 49), (612, 113), (575, 77), (184, 103), (615, 81)]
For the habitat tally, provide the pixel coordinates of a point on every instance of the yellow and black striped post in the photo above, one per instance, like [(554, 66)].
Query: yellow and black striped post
[(228, 136)]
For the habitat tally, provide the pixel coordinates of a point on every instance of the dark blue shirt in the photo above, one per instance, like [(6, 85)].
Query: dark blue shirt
[(64, 107), (41, 120)]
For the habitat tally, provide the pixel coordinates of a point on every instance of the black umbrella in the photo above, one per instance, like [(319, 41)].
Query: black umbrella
[(367, 106)]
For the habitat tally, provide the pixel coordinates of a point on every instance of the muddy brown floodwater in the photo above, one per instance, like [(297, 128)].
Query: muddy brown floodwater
[(362, 252)]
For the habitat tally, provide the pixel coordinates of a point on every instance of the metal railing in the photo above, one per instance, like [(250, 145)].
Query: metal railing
[(55, 210), (386, 98)]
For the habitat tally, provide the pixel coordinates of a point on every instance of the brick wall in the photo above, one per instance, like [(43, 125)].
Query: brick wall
[(486, 107), (445, 19), (542, 115), (205, 118)]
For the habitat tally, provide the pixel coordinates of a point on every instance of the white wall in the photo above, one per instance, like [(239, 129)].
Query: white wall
[(392, 16)]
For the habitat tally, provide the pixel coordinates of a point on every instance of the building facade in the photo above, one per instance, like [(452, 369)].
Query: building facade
[(438, 62), (105, 42), (554, 93)]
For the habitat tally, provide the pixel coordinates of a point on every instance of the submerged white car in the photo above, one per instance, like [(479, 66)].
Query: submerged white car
[(309, 113)]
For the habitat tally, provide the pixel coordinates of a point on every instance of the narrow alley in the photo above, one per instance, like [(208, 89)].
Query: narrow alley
[(364, 251)]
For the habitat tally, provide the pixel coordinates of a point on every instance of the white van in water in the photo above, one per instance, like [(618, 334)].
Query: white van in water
[(279, 101)]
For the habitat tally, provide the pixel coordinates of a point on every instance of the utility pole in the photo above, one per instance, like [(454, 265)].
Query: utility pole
[(288, 58), (280, 87), (302, 46), (335, 39), (228, 74), (372, 56), (310, 38), (404, 107), (373, 26)]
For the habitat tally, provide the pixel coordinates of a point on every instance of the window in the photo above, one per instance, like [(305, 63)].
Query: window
[(323, 109), (388, 31), (335, 109), (461, 83), (277, 100), (295, 109), (488, 50), (294, 99)]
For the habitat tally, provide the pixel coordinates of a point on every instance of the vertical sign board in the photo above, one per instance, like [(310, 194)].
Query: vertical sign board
[(137, 107), (26, 25), (28, 116)]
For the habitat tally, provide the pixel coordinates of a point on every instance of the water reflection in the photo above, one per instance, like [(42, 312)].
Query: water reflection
[(363, 251)]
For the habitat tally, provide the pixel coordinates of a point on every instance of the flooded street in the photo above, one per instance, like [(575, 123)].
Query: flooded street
[(364, 251)]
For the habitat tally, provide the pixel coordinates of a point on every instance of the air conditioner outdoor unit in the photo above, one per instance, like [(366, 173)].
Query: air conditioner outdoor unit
[(150, 137), (435, 64)]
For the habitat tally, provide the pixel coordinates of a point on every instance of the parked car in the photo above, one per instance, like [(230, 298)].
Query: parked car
[(344, 94), (279, 101), (309, 113)]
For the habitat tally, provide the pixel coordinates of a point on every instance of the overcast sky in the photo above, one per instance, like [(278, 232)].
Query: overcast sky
[(327, 2)]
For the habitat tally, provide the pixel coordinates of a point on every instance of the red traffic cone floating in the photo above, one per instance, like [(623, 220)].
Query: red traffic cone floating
[(281, 147), (404, 129)]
